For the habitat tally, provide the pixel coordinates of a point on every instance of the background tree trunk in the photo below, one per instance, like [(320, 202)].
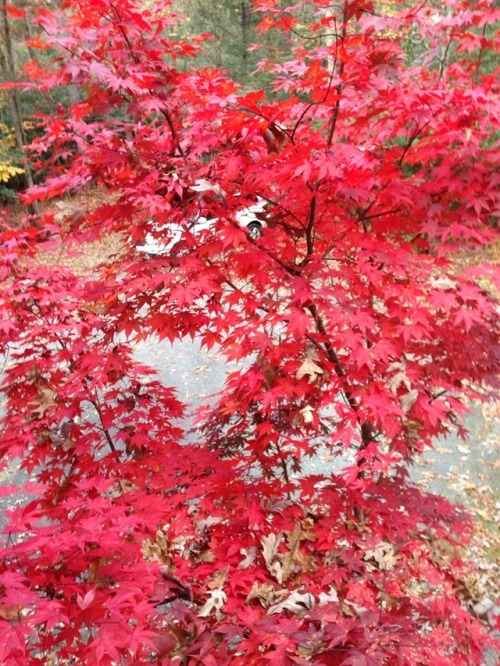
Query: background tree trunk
[(8, 68), (245, 27)]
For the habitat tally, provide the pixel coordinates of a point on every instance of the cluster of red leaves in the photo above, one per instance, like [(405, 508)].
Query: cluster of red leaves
[(139, 546)]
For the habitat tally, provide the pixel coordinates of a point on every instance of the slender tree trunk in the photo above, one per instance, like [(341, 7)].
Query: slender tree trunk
[(245, 29), (7, 65), (29, 35)]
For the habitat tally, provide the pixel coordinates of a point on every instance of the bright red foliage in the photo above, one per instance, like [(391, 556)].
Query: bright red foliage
[(138, 547)]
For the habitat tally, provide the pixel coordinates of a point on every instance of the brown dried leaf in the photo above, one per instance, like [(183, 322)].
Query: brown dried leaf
[(270, 545), (206, 556), (310, 367), (157, 550), (10, 613), (250, 555), (68, 444), (269, 371), (96, 307), (384, 555), (46, 399), (215, 602), (95, 577), (297, 602), (218, 580), (267, 594), (295, 560)]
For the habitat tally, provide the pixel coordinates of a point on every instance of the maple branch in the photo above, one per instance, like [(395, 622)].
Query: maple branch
[(438, 395), (288, 269), (336, 109), (124, 34), (339, 87), (367, 433), (97, 407), (311, 104), (286, 132), (284, 467), (444, 58), (365, 217), (64, 47), (306, 37), (173, 131), (63, 485), (171, 127), (280, 205), (335, 113), (89, 398), (411, 140), (310, 228), (366, 427), (164, 112), (412, 14), (481, 51), (228, 32)]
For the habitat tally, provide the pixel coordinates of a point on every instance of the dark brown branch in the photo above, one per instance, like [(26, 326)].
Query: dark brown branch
[(365, 426), (445, 58), (310, 227), (97, 407), (336, 109), (164, 112)]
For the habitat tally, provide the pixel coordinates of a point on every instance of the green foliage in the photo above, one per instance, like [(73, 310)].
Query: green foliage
[(233, 27)]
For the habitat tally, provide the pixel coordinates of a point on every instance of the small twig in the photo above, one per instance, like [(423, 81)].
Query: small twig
[(444, 58), (97, 407), (366, 427)]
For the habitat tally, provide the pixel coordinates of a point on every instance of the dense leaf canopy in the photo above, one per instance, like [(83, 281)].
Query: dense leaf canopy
[(369, 148)]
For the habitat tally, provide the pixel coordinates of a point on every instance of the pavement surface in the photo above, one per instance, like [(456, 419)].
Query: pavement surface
[(454, 468), (463, 471)]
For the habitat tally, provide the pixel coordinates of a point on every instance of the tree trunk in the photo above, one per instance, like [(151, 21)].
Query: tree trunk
[(245, 29), (7, 66)]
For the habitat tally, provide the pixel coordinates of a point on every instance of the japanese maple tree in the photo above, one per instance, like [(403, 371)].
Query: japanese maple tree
[(372, 146)]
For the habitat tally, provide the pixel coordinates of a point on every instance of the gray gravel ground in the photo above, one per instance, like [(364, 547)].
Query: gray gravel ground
[(453, 468)]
